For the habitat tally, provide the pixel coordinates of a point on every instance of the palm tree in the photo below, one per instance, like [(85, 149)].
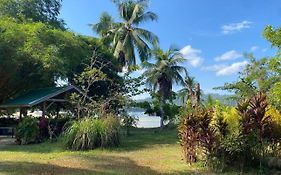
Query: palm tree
[(105, 28), (185, 93), (191, 91), (162, 74), (127, 37)]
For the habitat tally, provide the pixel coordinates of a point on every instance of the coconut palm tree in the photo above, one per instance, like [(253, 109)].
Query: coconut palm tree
[(105, 28), (184, 93), (191, 91), (127, 37), (162, 74)]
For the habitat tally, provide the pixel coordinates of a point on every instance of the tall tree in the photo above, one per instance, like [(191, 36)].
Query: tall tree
[(105, 28), (128, 38), (274, 36), (163, 73), (191, 91), (46, 11), (33, 55)]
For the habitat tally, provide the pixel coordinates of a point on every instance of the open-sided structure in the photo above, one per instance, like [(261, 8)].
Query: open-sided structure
[(43, 98)]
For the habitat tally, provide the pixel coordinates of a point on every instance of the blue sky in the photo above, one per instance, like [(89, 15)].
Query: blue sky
[(212, 34)]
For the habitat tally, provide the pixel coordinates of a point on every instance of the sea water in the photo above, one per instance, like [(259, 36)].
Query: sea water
[(144, 120)]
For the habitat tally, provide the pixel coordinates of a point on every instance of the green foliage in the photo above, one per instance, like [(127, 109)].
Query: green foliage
[(225, 134), (163, 73), (45, 11), (33, 56), (126, 37), (260, 75), (273, 35), (191, 91), (196, 134), (128, 122), (27, 131), (91, 133)]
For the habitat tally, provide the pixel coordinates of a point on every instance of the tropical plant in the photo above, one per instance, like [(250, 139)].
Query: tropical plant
[(261, 75), (105, 28), (189, 136), (27, 131), (191, 91), (90, 133), (163, 73), (126, 36), (129, 121)]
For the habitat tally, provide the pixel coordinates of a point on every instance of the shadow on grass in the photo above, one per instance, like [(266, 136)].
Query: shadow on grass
[(120, 165), (106, 165), (25, 168), (46, 147)]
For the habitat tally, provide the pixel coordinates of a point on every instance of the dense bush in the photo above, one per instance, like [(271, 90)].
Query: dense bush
[(51, 128), (56, 125), (91, 133), (27, 131), (227, 136)]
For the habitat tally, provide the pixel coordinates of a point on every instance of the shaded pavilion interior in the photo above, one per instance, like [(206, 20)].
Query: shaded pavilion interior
[(43, 99)]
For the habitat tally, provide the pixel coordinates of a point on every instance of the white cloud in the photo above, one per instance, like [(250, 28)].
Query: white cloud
[(235, 27), (215, 67), (254, 48), (192, 55), (264, 50), (230, 55), (232, 69)]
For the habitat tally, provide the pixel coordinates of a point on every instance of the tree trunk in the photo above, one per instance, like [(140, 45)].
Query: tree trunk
[(162, 102)]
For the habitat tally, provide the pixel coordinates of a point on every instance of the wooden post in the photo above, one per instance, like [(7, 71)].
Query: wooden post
[(44, 110), (20, 114), (58, 110)]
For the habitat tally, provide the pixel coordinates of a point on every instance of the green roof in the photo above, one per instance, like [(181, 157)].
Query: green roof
[(35, 97)]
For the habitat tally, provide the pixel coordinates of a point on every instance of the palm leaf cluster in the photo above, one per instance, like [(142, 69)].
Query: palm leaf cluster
[(126, 38), (165, 71), (190, 91)]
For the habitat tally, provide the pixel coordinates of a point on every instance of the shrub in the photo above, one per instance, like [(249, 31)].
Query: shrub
[(128, 122), (56, 126), (226, 135), (43, 128), (188, 134), (27, 131), (90, 133)]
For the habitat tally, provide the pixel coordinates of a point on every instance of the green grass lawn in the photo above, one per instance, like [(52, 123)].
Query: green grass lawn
[(145, 152)]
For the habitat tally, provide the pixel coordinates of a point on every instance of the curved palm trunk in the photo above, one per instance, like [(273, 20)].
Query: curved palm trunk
[(162, 102)]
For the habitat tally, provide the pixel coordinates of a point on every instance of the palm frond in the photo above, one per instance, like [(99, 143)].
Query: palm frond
[(142, 47), (146, 17), (148, 36), (104, 25)]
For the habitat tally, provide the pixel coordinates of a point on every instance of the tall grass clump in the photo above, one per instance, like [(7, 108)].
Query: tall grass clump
[(90, 133)]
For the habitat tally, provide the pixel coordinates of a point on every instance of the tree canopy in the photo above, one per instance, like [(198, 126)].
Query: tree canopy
[(45, 11), (34, 55)]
